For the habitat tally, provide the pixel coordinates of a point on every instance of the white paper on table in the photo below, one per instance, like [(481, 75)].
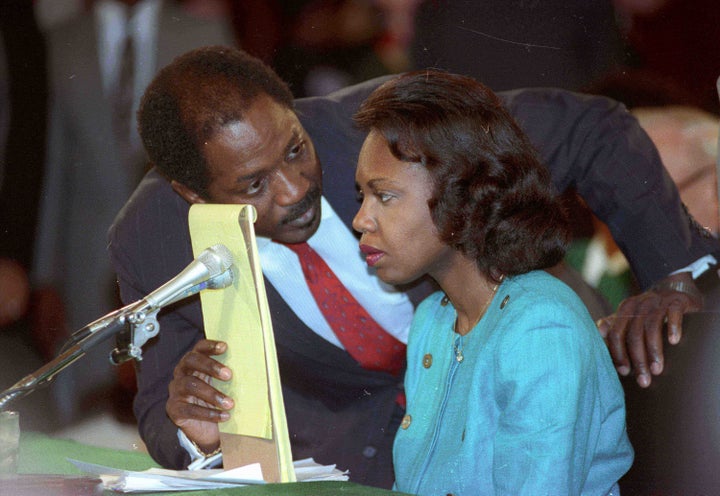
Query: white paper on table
[(158, 480), (308, 470)]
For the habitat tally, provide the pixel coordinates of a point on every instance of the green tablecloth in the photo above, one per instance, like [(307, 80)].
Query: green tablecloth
[(40, 454)]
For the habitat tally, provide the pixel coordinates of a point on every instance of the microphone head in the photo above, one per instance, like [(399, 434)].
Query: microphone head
[(222, 280), (217, 259)]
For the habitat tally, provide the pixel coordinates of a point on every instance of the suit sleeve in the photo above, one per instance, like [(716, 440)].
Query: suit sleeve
[(596, 146)]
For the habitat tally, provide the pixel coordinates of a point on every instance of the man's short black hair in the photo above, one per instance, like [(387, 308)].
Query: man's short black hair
[(192, 98)]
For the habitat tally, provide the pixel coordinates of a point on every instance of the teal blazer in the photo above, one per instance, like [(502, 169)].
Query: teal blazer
[(535, 407)]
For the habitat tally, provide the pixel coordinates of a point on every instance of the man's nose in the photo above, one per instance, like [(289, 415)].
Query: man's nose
[(291, 186)]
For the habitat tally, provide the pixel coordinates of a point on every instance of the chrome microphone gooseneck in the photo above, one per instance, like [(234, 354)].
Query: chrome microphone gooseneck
[(134, 324)]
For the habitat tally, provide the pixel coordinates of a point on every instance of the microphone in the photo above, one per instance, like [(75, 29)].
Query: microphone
[(210, 270), (133, 324)]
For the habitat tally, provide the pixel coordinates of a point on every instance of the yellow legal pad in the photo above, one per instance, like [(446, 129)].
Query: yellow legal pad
[(239, 315)]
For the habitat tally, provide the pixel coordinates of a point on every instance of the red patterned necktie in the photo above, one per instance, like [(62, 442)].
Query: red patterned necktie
[(365, 340)]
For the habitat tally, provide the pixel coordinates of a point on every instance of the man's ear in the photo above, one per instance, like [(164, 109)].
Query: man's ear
[(188, 195)]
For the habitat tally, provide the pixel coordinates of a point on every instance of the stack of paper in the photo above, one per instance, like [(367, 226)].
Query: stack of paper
[(157, 480)]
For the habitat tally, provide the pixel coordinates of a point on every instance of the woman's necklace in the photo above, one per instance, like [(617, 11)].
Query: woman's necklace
[(459, 349), (458, 344)]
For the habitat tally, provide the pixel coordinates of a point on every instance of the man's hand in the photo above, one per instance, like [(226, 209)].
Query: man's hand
[(634, 331), (194, 405)]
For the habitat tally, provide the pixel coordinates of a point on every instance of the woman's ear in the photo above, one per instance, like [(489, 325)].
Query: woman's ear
[(188, 195)]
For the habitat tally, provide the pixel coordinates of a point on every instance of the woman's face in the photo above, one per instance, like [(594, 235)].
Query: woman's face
[(399, 238)]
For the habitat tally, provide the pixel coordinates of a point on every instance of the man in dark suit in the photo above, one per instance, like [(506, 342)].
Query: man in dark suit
[(220, 127)]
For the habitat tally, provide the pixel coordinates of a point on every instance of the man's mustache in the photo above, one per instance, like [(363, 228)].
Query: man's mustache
[(303, 205)]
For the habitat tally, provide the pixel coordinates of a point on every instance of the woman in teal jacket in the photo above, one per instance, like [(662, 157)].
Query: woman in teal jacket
[(510, 389)]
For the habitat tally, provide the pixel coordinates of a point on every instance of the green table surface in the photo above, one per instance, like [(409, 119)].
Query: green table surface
[(41, 454)]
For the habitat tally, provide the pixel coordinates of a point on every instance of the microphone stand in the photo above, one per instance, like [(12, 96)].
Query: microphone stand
[(139, 317), (134, 325)]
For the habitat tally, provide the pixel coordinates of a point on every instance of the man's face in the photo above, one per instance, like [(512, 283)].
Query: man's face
[(267, 161)]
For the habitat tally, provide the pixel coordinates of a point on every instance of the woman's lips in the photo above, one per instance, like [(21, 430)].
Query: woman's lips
[(372, 255)]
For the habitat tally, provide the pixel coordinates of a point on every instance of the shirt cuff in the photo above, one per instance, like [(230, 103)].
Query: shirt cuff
[(198, 459), (698, 267)]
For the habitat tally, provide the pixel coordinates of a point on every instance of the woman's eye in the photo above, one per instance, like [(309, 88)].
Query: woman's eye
[(384, 197)]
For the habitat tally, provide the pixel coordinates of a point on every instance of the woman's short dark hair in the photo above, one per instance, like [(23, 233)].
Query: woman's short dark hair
[(492, 199), (193, 97)]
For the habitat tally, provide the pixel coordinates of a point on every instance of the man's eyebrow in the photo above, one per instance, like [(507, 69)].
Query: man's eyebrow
[(247, 177)]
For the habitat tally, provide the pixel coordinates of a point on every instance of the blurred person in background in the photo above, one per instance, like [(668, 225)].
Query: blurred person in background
[(676, 41), (23, 96), (23, 107), (320, 46), (100, 62)]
